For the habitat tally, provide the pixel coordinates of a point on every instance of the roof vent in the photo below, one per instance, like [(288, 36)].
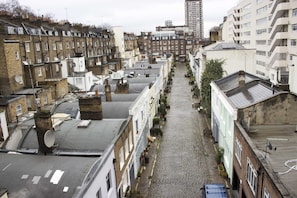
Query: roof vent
[(84, 124)]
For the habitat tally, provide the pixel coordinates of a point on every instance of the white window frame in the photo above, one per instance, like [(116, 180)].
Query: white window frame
[(130, 140), (54, 45), (17, 55), (19, 110), (294, 12), (266, 193), (79, 81), (37, 46), (99, 193), (46, 46), (251, 176), (27, 46), (57, 68), (61, 46), (121, 156), (238, 150), (294, 27), (108, 181), (39, 71), (67, 45), (45, 99), (126, 148)]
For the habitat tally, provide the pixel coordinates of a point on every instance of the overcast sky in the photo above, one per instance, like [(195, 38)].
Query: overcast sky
[(133, 15)]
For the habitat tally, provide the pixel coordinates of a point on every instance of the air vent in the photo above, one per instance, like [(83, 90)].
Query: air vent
[(84, 124)]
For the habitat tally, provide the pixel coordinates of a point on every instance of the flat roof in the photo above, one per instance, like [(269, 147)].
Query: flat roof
[(5, 100), (133, 87), (43, 176), (70, 138), (276, 145), (118, 109)]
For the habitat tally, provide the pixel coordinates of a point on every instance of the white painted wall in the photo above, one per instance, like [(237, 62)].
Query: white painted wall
[(99, 180), (84, 81), (235, 60), (119, 40), (79, 64), (293, 75), (3, 124), (226, 115)]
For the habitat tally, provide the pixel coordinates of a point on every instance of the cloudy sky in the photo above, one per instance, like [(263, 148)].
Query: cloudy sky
[(133, 15)]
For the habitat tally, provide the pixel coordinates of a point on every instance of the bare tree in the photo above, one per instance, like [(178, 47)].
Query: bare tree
[(14, 7)]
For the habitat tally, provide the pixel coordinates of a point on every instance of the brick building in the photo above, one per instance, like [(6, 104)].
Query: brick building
[(32, 50), (177, 43)]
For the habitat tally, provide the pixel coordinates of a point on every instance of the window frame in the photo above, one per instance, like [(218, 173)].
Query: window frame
[(108, 181), (18, 109), (251, 176)]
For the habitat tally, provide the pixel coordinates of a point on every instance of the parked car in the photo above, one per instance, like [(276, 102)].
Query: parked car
[(214, 191)]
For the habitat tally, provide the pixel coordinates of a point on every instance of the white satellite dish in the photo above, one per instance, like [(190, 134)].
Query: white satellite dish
[(18, 79), (49, 138)]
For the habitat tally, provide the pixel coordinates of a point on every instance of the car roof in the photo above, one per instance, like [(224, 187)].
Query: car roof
[(215, 191)]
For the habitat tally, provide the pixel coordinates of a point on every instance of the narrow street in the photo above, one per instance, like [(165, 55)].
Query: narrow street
[(185, 158)]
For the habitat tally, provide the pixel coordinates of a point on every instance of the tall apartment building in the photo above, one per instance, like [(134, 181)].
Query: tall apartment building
[(270, 27), (194, 17)]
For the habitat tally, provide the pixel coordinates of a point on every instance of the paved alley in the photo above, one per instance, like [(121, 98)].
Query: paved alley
[(185, 158)]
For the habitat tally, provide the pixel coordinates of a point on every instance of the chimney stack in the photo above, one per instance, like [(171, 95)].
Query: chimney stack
[(122, 87), (107, 91), (90, 108), (241, 78), (43, 123)]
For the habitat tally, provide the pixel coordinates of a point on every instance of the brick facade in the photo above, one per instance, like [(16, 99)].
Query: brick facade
[(11, 104), (120, 143)]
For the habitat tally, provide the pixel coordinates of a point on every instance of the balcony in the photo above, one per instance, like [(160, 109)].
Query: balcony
[(279, 53), (281, 25), (276, 4), (281, 11), (280, 39)]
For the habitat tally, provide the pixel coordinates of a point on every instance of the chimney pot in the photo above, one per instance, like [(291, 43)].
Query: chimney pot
[(241, 78), (43, 123)]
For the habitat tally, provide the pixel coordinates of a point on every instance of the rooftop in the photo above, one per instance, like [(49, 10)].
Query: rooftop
[(276, 145), (118, 109), (253, 90), (71, 139), (43, 176), (4, 100)]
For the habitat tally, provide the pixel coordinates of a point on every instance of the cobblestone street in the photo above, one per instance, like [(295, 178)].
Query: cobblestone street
[(185, 159)]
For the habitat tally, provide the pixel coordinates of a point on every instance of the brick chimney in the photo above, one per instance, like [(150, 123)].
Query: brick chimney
[(241, 78), (122, 87), (43, 123), (90, 107), (107, 92)]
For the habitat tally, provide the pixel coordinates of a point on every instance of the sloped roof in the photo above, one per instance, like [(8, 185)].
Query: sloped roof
[(231, 81), (227, 46), (253, 91)]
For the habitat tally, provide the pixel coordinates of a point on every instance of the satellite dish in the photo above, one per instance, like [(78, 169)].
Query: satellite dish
[(18, 79), (49, 138)]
